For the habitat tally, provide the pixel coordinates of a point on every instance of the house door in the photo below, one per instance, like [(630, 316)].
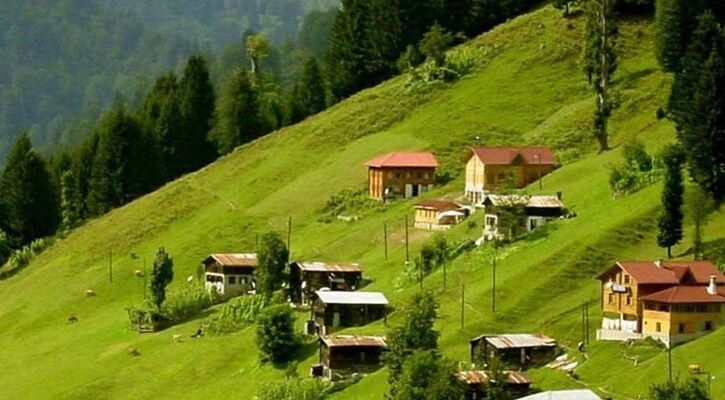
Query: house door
[(336, 319), (416, 190), (408, 191)]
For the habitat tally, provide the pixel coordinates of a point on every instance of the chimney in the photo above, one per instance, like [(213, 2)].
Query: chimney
[(658, 263), (712, 288)]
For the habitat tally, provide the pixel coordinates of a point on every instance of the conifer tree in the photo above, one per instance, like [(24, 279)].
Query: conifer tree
[(161, 275), (239, 115), (600, 62), (670, 33), (196, 104), (272, 257), (69, 201), (82, 167), (161, 114), (696, 106), (307, 96), (669, 222), (28, 195)]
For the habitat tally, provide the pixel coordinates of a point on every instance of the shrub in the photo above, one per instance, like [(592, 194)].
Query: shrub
[(20, 258), (349, 201), (637, 171), (292, 389), (190, 300), (237, 313), (276, 335)]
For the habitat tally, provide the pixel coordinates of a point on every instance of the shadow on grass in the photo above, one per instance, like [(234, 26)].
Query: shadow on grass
[(713, 250), (309, 348), (12, 272), (540, 232)]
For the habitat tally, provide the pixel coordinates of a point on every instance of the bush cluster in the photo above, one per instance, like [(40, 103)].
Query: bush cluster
[(237, 313), (638, 170)]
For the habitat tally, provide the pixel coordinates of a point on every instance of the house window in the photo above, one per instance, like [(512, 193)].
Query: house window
[(490, 221), (490, 178), (611, 298), (231, 280), (708, 325), (658, 327), (425, 175), (629, 299), (626, 279), (681, 328), (407, 174), (663, 307), (397, 174), (501, 177)]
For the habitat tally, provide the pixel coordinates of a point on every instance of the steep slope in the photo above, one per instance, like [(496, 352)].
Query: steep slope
[(527, 88)]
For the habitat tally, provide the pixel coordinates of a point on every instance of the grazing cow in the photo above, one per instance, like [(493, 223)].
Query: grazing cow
[(133, 352), (90, 293), (176, 338), (72, 319), (138, 273)]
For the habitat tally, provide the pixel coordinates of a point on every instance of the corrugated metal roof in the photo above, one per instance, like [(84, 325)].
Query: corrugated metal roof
[(578, 394), (536, 201), (482, 377), (506, 155), (517, 340), (686, 295), (354, 341), (319, 266), (437, 205), (340, 297), (233, 259), (404, 159)]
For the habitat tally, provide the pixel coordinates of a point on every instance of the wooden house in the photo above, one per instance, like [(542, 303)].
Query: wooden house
[(519, 349), (677, 300), (230, 274), (401, 174), (306, 277), (345, 354), (333, 309), (491, 168), (510, 215), (438, 214), (476, 382)]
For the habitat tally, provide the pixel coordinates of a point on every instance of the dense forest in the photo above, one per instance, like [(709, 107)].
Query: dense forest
[(65, 62)]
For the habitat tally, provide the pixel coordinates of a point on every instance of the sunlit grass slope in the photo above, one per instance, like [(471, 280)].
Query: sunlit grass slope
[(527, 89)]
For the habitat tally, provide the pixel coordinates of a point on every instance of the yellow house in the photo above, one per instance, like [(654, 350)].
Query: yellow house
[(683, 313), (627, 284), (438, 214), (490, 168)]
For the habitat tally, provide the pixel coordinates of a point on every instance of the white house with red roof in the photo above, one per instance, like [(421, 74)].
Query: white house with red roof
[(673, 301), (490, 168), (401, 174)]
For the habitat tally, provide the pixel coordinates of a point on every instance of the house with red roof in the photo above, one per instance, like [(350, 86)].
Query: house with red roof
[(490, 168), (673, 301), (401, 174)]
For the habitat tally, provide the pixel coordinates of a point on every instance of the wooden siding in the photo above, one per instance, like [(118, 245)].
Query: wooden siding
[(396, 178)]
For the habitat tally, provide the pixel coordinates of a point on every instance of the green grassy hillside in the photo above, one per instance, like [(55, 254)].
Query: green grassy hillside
[(526, 89)]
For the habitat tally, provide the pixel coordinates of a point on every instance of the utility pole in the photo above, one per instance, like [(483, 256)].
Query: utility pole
[(463, 298), (669, 353), (144, 278), (110, 266), (385, 239), (444, 276), (493, 277), (289, 238), (407, 252)]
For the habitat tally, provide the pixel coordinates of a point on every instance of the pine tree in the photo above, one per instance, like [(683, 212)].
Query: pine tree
[(670, 26), (28, 195), (161, 114), (696, 106), (196, 104), (69, 201), (600, 62), (669, 222), (239, 114), (82, 167), (161, 275), (434, 44), (125, 165), (307, 96), (272, 257)]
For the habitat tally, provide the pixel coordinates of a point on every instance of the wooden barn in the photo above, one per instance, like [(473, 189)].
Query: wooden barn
[(306, 277), (333, 309), (401, 174), (519, 349), (511, 215), (230, 274), (345, 354), (476, 382)]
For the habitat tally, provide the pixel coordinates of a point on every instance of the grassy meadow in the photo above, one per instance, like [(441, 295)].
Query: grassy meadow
[(527, 89)]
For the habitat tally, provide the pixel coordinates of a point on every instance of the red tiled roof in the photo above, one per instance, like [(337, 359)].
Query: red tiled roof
[(669, 272), (403, 159), (438, 205), (506, 155), (686, 294)]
